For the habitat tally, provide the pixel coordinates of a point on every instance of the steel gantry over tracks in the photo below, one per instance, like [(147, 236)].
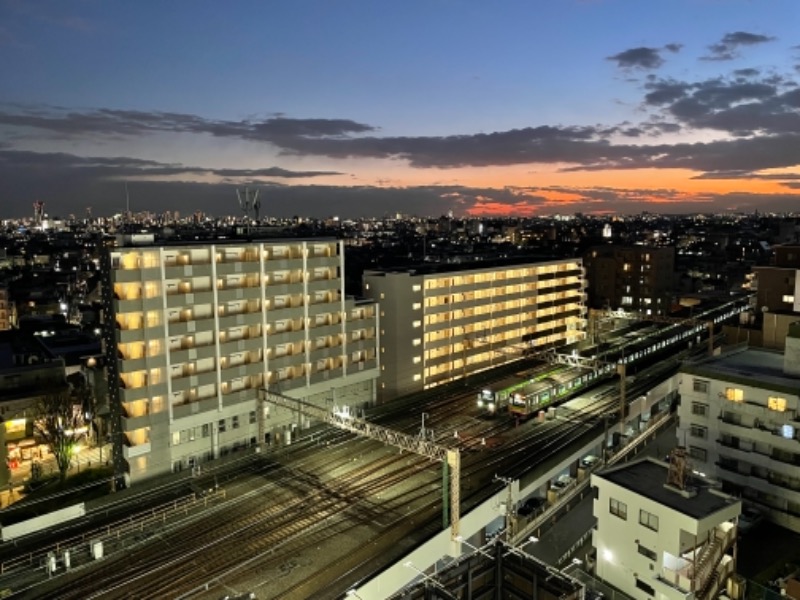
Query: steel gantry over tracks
[(449, 457)]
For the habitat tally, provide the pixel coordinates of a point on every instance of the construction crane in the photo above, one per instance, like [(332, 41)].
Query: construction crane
[(342, 419)]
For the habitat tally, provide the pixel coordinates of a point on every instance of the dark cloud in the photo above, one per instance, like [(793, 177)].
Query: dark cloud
[(60, 164), (728, 47), (665, 91), (673, 47), (748, 175), (740, 107), (638, 58), (107, 122), (746, 72)]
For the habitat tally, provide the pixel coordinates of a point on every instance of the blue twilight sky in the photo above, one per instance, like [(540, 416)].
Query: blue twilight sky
[(349, 108)]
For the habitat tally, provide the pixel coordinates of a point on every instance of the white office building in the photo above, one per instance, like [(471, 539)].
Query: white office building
[(442, 322), (194, 333), (739, 421), (661, 535)]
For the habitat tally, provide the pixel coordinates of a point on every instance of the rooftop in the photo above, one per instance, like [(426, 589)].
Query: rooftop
[(757, 367), (647, 477)]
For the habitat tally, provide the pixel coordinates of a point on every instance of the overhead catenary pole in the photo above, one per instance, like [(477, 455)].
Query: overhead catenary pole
[(450, 457)]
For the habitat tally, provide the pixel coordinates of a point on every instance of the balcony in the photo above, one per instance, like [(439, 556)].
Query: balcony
[(702, 568), (130, 452)]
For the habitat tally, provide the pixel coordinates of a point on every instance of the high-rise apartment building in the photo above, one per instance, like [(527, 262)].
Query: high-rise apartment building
[(633, 278), (194, 333), (738, 418), (6, 309), (440, 323)]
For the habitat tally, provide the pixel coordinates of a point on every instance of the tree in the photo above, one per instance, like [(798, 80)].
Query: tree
[(59, 423)]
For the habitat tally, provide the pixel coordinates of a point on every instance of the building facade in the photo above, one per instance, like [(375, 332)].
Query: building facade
[(661, 537), (777, 289), (634, 278), (194, 333), (7, 320), (739, 420), (440, 323)]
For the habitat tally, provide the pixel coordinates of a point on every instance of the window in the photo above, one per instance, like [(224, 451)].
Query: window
[(776, 403), (698, 453), (647, 552), (252, 417), (235, 422), (619, 509), (644, 587), (699, 409), (700, 385), (648, 519), (206, 430), (416, 324), (417, 377), (698, 431), (176, 438), (221, 425), (416, 360), (417, 288), (416, 305), (734, 394), (416, 342)]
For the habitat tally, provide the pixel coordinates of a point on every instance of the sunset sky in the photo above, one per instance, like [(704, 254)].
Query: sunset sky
[(369, 108)]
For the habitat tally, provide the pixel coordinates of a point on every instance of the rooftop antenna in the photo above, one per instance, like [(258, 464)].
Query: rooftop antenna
[(248, 201), (127, 204)]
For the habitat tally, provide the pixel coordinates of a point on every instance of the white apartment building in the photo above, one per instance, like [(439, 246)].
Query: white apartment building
[(193, 333), (440, 323), (739, 421), (660, 535)]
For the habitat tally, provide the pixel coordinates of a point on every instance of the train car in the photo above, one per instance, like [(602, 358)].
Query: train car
[(495, 398), (555, 388)]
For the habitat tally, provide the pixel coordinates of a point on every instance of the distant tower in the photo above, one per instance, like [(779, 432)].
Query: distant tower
[(88, 213), (38, 212), (248, 201)]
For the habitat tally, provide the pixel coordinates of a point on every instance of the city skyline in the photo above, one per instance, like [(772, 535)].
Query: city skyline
[(361, 109)]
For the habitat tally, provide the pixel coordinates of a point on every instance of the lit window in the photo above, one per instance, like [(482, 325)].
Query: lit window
[(417, 360), (619, 509), (417, 288), (788, 298), (627, 300), (734, 394), (416, 324), (776, 403), (417, 377), (176, 438), (416, 305), (416, 342)]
